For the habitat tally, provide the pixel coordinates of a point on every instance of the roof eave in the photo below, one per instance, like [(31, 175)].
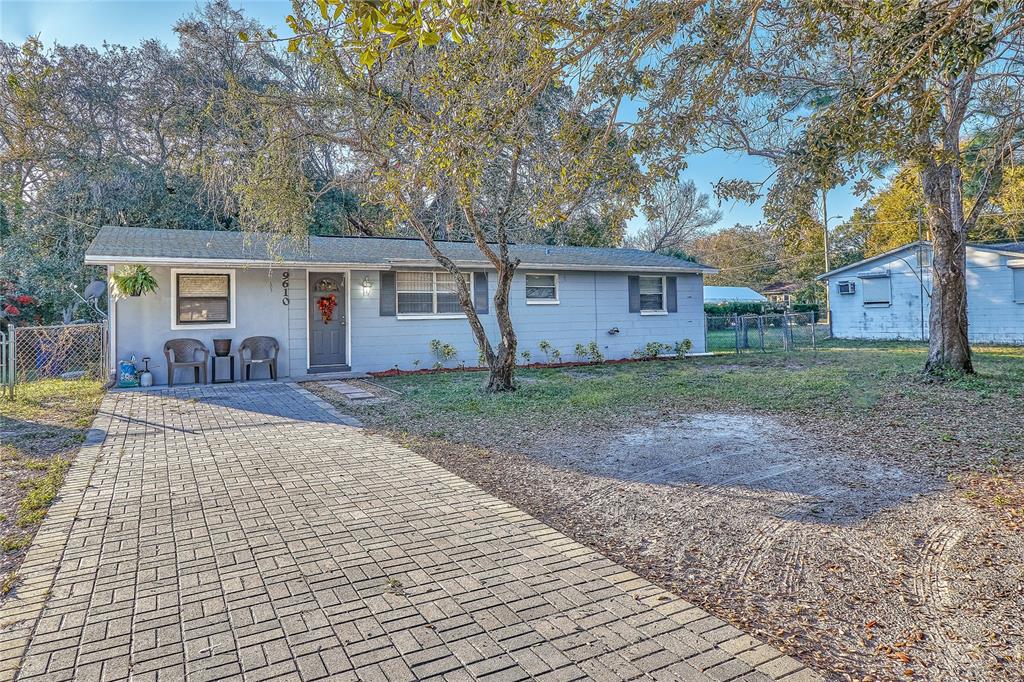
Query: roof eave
[(99, 259), (853, 266)]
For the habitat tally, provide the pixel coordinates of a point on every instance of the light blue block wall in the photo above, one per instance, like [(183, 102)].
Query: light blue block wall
[(901, 319), (144, 322), (589, 305), (993, 315)]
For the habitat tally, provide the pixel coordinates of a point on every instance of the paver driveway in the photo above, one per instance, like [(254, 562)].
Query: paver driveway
[(248, 532)]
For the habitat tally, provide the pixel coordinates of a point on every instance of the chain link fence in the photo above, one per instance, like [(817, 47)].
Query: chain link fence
[(764, 333), (76, 351)]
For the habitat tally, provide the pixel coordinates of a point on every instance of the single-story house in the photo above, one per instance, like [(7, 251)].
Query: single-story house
[(372, 304), (713, 294), (783, 293), (888, 296)]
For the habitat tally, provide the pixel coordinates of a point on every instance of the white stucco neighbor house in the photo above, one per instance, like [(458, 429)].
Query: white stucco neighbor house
[(888, 296), (372, 304), (714, 294)]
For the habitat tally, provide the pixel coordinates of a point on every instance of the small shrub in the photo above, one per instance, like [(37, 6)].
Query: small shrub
[(556, 354), (581, 352), (547, 350), (442, 351), (683, 347), (651, 350), (525, 355), (594, 351)]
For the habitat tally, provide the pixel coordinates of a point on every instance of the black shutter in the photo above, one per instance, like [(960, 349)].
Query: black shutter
[(670, 295), (480, 293), (634, 294), (387, 294)]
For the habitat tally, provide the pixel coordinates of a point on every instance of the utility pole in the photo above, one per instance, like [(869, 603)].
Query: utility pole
[(824, 222), (920, 268)]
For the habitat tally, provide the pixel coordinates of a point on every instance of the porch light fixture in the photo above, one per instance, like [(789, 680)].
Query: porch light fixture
[(367, 286)]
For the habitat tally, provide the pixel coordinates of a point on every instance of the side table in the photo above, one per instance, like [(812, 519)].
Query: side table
[(216, 360)]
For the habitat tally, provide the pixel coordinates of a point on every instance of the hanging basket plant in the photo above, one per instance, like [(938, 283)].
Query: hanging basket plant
[(327, 304), (134, 280)]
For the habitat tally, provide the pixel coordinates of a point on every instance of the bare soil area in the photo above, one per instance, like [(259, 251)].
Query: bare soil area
[(864, 570)]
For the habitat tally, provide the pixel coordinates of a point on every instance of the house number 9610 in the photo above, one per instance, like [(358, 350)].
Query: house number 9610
[(284, 287)]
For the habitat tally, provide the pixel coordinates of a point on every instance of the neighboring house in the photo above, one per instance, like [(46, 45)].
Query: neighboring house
[(732, 295), (783, 293), (391, 298), (888, 296)]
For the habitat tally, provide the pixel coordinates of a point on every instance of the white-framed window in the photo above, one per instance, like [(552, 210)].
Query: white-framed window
[(202, 299), (652, 295), (1018, 283), (876, 290), (541, 289), (426, 293)]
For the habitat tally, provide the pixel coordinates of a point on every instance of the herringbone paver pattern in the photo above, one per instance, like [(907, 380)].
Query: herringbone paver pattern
[(247, 532)]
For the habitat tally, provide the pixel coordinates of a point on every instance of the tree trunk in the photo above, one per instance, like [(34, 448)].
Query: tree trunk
[(502, 362), (948, 347)]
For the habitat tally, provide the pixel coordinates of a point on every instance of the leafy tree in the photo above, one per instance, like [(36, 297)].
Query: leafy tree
[(470, 125)]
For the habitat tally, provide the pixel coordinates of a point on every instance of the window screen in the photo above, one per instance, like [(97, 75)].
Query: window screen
[(541, 288), (426, 293), (876, 290), (652, 293), (1018, 284), (203, 299)]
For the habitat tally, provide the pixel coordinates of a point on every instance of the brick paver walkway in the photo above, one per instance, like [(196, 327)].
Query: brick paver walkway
[(245, 532)]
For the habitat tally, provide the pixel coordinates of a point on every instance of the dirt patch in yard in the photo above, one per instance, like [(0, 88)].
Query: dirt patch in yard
[(862, 570)]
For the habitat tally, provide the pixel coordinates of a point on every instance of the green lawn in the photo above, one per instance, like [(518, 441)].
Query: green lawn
[(840, 378), (41, 430)]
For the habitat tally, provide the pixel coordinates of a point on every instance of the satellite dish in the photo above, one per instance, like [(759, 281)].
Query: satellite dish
[(94, 290)]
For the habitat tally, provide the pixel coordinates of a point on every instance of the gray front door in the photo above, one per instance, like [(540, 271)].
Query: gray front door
[(326, 325)]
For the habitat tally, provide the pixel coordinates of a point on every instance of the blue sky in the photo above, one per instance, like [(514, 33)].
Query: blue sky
[(127, 22)]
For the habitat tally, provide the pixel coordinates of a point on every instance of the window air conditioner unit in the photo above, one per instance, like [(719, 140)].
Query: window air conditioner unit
[(847, 288)]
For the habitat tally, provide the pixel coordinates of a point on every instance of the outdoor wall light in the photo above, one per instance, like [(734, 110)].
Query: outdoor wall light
[(613, 331), (367, 286)]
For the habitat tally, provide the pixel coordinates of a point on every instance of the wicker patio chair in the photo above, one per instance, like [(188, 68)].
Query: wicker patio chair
[(183, 353), (258, 350)]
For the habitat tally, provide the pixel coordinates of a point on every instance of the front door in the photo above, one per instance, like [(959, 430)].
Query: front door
[(326, 319)]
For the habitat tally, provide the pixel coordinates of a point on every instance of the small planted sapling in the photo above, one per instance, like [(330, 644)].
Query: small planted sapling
[(442, 351), (546, 349), (683, 347)]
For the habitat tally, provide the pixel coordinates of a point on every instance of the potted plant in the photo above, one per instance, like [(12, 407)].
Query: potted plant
[(134, 280)]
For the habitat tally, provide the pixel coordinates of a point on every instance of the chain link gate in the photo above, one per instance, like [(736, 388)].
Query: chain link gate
[(75, 351), (784, 332)]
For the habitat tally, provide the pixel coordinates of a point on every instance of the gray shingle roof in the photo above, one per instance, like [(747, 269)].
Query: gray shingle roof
[(143, 244), (1013, 247)]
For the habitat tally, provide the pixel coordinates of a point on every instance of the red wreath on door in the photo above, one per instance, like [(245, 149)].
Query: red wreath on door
[(327, 304)]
